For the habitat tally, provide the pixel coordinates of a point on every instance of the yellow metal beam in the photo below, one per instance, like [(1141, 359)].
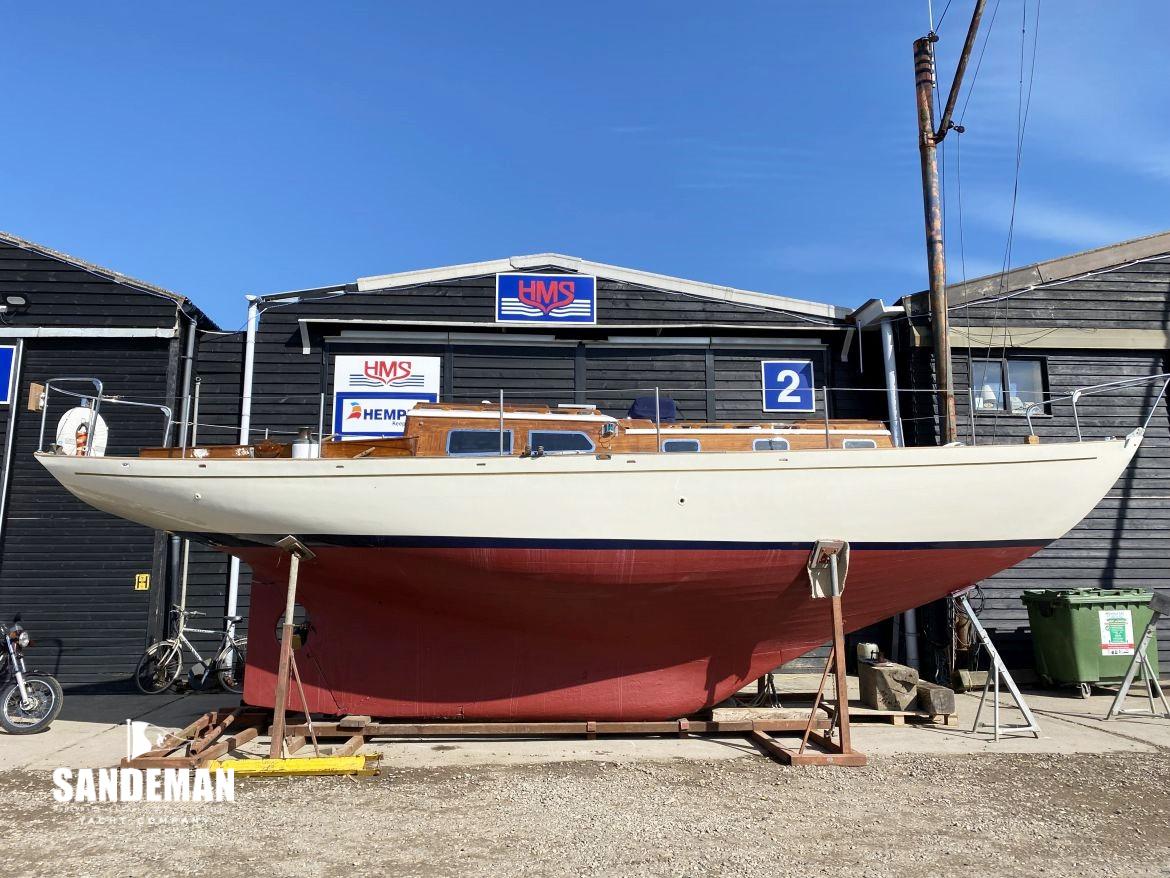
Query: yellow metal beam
[(305, 766)]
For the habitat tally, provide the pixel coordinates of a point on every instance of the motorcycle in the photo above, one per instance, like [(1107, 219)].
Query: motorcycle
[(28, 702)]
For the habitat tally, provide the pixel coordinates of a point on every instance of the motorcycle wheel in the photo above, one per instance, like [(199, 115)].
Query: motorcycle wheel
[(44, 704)]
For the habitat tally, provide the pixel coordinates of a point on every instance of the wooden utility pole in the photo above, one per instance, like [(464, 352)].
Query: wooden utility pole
[(936, 260)]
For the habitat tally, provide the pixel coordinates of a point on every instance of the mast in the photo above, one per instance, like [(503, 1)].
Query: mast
[(936, 261)]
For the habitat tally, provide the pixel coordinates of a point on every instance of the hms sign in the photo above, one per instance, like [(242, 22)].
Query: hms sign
[(545, 299), (372, 394)]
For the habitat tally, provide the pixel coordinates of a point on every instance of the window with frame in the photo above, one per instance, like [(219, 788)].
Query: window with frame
[(859, 443), (477, 443), (770, 445), (1008, 385), (675, 445), (560, 441)]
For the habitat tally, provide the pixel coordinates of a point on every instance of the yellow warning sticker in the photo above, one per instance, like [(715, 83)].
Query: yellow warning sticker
[(142, 582)]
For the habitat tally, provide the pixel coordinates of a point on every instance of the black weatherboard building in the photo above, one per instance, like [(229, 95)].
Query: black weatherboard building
[(93, 588), (1090, 318)]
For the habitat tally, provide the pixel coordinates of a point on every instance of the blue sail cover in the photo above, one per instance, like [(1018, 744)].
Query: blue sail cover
[(643, 408)]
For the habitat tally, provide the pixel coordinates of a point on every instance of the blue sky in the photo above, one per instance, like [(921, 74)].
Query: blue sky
[(221, 149)]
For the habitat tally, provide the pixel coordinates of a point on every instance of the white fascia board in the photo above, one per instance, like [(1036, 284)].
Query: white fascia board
[(87, 332), (609, 272), (875, 311)]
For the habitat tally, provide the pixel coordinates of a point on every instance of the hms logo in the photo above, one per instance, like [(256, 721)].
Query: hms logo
[(546, 298), (547, 295), (386, 373)]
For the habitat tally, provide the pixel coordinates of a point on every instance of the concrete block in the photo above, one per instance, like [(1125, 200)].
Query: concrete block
[(934, 699), (887, 686)]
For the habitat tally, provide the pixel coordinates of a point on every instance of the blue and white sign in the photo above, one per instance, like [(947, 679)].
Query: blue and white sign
[(788, 385), (7, 361), (546, 299), (372, 394)]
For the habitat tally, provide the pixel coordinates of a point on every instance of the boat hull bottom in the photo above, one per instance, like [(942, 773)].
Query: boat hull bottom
[(518, 634)]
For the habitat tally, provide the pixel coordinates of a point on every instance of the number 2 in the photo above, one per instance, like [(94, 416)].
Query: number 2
[(789, 380)]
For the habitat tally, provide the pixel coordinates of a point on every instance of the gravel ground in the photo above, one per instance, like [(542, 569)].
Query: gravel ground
[(905, 816)]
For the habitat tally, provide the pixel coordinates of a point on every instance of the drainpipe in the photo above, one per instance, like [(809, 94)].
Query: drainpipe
[(249, 363), (245, 429), (178, 575), (910, 617), (876, 311), (891, 383)]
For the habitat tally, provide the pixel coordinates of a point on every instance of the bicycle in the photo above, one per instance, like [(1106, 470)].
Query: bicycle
[(162, 663)]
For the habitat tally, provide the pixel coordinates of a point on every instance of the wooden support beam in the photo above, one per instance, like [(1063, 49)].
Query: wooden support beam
[(350, 747), (793, 722), (227, 745)]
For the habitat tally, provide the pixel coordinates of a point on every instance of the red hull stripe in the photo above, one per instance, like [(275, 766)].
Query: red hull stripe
[(359, 541)]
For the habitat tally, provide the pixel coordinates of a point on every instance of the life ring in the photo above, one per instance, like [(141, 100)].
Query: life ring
[(80, 432)]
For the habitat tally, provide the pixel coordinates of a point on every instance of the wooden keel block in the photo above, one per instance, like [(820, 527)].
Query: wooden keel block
[(934, 699), (887, 686)]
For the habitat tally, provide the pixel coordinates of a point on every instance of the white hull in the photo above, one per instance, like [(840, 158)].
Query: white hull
[(985, 494)]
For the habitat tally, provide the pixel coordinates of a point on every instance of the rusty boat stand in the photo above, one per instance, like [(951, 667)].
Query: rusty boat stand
[(827, 567), (210, 740)]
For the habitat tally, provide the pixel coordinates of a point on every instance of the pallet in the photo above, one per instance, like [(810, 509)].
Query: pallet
[(895, 717)]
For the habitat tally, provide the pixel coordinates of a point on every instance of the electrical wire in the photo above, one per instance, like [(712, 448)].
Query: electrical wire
[(938, 27), (979, 62)]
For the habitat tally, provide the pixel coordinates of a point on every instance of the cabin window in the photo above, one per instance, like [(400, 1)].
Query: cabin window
[(859, 443), (680, 445), (477, 442), (560, 441), (770, 445), (1009, 385)]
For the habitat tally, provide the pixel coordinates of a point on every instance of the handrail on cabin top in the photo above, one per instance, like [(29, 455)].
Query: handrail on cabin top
[(1094, 389)]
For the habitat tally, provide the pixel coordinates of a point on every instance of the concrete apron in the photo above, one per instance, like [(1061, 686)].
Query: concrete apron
[(91, 733)]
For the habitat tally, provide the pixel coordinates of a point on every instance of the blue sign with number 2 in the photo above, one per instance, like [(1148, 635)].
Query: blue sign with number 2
[(788, 385)]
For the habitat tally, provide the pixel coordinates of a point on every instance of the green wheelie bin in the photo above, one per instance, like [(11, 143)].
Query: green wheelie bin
[(1083, 636)]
